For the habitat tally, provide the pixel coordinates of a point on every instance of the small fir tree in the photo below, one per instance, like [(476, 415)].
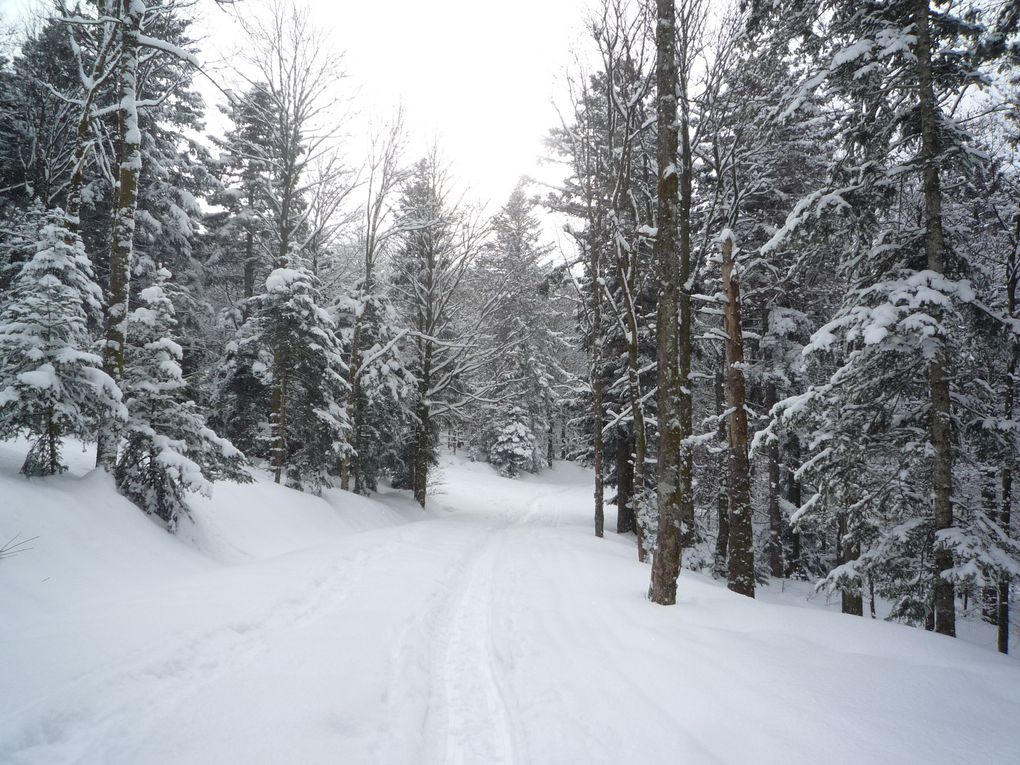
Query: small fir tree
[(51, 383), (513, 445), (168, 450)]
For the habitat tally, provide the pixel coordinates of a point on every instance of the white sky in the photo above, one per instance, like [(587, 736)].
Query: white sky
[(476, 76)]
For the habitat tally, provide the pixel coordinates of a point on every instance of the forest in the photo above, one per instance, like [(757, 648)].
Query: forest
[(780, 324)]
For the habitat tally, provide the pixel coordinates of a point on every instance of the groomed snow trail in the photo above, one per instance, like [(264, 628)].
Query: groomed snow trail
[(495, 631)]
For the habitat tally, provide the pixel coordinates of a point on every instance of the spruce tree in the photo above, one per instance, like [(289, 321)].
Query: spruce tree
[(168, 448), (51, 382), (513, 443), (308, 425)]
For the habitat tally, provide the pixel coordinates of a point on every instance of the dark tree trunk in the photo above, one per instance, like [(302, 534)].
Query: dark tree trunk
[(249, 266), (423, 445), (1005, 513), (122, 240), (851, 601), (940, 369), (722, 539), (776, 524), (279, 413), (990, 592), (550, 437), (741, 543), (666, 560), (624, 488), (793, 563), (598, 415), (421, 456)]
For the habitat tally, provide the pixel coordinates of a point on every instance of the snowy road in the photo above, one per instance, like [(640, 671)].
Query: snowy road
[(498, 630)]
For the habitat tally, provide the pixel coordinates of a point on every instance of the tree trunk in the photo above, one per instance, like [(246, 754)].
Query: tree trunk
[(1012, 277), (598, 416), (550, 433), (776, 525), (122, 244), (423, 444), (722, 539), (280, 413), (741, 543), (53, 442), (249, 270), (793, 563), (421, 456), (850, 602), (990, 499), (669, 499), (941, 421), (685, 396), (624, 487)]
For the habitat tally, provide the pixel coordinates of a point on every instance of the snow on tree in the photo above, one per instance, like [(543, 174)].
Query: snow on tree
[(51, 382), (525, 322), (886, 456), (308, 426), (381, 384), (513, 446), (381, 381), (168, 449), (438, 242)]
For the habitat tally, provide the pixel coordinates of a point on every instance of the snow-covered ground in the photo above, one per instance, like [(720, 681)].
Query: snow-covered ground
[(494, 628)]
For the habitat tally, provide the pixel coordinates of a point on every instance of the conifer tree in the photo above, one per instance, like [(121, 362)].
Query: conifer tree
[(168, 448), (308, 424), (51, 383), (513, 445)]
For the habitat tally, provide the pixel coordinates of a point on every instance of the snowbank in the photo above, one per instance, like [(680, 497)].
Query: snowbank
[(284, 628)]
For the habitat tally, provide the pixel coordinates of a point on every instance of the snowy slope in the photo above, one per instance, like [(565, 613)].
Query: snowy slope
[(290, 629)]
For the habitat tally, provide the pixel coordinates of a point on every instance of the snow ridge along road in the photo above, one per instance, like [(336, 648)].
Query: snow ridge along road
[(494, 630)]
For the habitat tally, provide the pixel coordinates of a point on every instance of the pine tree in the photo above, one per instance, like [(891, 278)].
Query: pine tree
[(382, 383), (308, 424), (513, 445), (438, 242), (525, 324), (168, 448), (51, 383), (886, 459)]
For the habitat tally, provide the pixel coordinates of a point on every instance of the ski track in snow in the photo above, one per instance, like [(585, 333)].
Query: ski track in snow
[(496, 631), (472, 713)]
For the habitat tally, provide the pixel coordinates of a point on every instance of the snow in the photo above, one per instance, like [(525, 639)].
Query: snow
[(280, 627), (44, 377), (281, 279)]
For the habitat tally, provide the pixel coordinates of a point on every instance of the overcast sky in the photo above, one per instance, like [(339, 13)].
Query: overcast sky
[(478, 77)]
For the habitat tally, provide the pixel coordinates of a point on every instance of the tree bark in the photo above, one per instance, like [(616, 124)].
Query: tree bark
[(669, 499), (850, 602), (722, 539), (939, 370), (1005, 513), (421, 456), (122, 244), (741, 553), (598, 415), (624, 488), (990, 498), (793, 563), (776, 563), (279, 413)]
